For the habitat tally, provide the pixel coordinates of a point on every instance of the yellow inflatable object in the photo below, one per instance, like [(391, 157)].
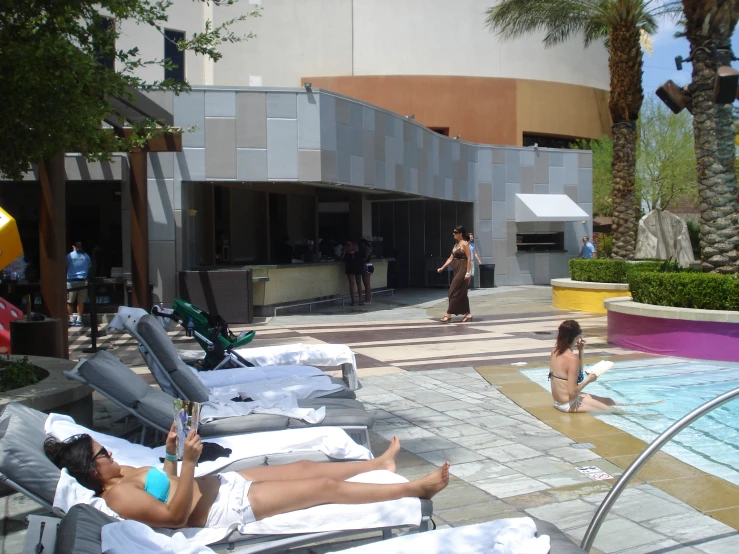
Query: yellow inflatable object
[(10, 239), (583, 300)]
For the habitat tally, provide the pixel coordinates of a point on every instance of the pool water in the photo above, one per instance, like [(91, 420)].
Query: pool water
[(710, 444)]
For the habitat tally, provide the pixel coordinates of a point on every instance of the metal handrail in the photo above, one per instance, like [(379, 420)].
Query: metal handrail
[(655, 446)]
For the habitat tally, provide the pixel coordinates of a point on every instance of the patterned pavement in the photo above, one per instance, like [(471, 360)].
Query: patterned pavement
[(437, 387)]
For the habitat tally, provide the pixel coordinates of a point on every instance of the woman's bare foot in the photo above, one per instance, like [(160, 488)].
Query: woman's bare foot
[(387, 460), (434, 482)]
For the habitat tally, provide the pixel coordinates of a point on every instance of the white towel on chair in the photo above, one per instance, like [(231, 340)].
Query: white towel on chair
[(502, 536), (126, 537), (299, 387), (276, 404), (241, 375), (300, 354)]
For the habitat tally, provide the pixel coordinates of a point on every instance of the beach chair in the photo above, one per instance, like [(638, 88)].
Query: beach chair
[(152, 342), (25, 468), (113, 379)]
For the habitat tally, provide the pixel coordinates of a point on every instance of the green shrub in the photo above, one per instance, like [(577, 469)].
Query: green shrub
[(608, 271), (685, 289), (15, 374)]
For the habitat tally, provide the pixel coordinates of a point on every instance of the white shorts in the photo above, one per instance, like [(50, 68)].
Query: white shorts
[(569, 406), (231, 506)]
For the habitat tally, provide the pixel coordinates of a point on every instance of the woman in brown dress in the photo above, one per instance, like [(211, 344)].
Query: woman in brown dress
[(458, 301)]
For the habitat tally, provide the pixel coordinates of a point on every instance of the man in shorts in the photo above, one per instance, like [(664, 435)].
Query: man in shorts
[(78, 269)]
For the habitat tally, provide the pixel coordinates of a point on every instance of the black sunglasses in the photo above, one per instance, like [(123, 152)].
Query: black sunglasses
[(102, 453)]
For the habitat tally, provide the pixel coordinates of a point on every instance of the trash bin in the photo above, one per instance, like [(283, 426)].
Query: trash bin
[(487, 276)]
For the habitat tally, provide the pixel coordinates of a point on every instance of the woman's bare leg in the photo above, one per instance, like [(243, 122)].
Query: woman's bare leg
[(269, 498), (351, 287), (604, 400), (367, 287), (358, 280), (590, 404), (335, 470)]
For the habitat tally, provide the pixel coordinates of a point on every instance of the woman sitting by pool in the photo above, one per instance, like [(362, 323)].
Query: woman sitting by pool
[(162, 499), (566, 375)]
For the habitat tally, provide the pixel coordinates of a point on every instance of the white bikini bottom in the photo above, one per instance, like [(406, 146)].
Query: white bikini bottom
[(570, 406), (231, 506)]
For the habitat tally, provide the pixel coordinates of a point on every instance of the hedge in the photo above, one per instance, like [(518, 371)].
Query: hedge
[(706, 291), (606, 270)]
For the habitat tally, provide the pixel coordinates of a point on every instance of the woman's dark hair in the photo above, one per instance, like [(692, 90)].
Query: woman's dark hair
[(460, 229), (75, 454), (567, 334)]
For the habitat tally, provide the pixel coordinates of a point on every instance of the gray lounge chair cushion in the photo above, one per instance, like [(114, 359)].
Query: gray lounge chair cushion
[(161, 346), (22, 458), (80, 531), (118, 381)]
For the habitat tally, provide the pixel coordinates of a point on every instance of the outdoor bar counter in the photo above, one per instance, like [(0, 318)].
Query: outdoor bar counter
[(281, 285)]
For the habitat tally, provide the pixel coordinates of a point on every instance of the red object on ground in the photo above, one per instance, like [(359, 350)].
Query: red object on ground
[(8, 313)]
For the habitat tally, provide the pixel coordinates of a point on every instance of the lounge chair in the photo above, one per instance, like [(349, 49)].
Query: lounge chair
[(79, 532), (165, 364), (25, 468), (113, 379)]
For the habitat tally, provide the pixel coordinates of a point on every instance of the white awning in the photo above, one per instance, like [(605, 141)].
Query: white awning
[(548, 207)]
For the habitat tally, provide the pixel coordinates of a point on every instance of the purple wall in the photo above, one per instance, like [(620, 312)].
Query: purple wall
[(706, 340)]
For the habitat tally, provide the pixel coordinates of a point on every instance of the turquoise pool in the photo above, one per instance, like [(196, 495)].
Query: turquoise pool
[(710, 444)]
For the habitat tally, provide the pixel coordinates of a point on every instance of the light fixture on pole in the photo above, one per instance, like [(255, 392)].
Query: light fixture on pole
[(675, 98), (308, 85), (725, 85), (458, 137), (412, 116)]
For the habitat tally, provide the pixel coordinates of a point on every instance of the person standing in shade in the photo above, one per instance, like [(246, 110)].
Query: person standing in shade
[(587, 248), (365, 253), (459, 303), (78, 270), (473, 257), (354, 267)]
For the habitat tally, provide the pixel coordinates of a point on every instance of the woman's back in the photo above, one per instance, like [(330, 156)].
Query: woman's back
[(559, 368)]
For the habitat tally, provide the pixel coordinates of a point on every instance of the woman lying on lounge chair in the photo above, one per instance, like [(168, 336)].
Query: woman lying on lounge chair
[(566, 375), (162, 499)]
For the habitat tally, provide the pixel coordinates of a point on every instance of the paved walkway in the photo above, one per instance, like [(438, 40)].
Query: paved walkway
[(440, 389)]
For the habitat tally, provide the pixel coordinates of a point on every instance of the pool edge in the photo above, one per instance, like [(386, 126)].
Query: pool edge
[(706, 493)]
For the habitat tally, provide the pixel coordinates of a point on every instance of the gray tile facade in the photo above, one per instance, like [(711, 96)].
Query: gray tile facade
[(260, 135)]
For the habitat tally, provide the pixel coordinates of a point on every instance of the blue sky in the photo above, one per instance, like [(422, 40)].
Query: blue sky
[(660, 66)]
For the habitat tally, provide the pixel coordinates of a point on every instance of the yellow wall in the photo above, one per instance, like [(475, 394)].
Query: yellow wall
[(583, 300)]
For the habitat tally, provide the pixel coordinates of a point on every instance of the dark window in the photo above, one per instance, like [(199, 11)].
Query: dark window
[(441, 130), (546, 141), (108, 61), (540, 242), (175, 55)]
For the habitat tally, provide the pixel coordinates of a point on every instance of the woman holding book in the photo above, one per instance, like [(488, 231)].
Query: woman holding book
[(162, 498), (566, 374)]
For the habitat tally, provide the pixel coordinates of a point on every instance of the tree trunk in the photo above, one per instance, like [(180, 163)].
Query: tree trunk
[(625, 65), (715, 153), (625, 219)]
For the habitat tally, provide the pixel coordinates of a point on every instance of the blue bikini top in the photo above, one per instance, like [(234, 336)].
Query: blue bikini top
[(157, 484)]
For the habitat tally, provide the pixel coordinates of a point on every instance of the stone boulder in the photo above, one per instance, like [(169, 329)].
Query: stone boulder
[(664, 235)]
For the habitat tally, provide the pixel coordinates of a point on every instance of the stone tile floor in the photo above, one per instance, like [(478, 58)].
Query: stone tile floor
[(506, 460)]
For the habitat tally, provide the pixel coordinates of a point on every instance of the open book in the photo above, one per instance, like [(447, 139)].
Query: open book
[(600, 368)]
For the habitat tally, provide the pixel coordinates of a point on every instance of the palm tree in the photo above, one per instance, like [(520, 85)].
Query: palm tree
[(709, 25), (620, 24)]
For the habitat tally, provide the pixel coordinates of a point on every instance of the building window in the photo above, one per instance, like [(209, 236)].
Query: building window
[(175, 55), (441, 130), (547, 141), (108, 61)]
